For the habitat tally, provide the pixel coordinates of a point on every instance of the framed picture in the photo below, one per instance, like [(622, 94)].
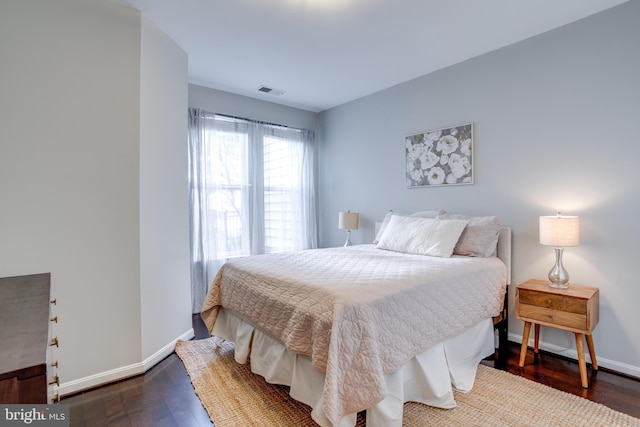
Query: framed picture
[(440, 157)]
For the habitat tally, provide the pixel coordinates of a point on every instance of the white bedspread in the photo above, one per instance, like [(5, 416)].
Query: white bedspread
[(358, 312)]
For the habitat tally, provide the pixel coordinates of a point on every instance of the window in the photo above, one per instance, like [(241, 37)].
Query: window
[(228, 189), (252, 189), (282, 168)]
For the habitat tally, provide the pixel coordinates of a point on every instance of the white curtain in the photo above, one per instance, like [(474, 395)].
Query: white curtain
[(252, 191)]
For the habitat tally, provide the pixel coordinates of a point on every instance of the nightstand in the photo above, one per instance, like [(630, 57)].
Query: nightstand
[(574, 309)]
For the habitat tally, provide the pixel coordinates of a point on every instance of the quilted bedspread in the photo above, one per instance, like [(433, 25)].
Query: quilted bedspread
[(358, 312)]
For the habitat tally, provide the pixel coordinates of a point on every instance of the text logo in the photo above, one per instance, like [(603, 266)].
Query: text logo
[(36, 415)]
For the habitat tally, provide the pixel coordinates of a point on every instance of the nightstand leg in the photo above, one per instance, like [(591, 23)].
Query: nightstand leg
[(581, 361), (536, 338), (592, 352), (525, 341)]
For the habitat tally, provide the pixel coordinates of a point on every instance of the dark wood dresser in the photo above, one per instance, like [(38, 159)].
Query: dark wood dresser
[(24, 338)]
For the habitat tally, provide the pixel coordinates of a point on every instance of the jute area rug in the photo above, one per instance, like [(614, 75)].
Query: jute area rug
[(234, 396)]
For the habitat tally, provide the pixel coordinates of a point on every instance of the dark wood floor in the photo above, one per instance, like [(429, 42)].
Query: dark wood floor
[(164, 395)]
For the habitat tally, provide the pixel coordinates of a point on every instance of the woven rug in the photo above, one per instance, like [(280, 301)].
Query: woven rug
[(235, 397)]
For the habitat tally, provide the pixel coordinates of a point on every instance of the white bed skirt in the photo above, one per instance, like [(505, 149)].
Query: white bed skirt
[(428, 378)]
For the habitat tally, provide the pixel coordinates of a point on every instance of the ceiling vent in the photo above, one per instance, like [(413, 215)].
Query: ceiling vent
[(270, 90)]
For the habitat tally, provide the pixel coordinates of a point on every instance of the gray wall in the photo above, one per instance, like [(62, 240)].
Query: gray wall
[(555, 120), (90, 184)]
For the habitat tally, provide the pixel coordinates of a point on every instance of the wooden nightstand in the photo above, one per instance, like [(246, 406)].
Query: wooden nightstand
[(574, 309)]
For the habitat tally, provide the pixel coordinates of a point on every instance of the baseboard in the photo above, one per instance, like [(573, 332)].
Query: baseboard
[(571, 353), (102, 378), (159, 355)]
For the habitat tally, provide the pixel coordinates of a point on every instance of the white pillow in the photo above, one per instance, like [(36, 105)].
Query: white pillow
[(387, 217), (421, 236), (479, 238)]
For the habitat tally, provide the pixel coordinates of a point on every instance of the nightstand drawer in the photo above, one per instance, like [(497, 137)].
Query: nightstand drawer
[(535, 313), (555, 302)]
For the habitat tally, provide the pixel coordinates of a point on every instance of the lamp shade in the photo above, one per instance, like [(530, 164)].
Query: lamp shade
[(560, 231), (348, 220)]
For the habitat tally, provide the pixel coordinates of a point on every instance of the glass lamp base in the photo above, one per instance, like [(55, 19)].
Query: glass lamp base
[(558, 285), (348, 242), (558, 276)]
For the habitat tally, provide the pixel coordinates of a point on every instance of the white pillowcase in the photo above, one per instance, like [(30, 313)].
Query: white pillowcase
[(421, 236), (387, 217)]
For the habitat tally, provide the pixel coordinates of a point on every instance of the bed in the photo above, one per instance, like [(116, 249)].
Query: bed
[(369, 327)]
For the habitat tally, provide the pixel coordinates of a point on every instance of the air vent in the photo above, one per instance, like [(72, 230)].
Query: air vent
[(270, 90)]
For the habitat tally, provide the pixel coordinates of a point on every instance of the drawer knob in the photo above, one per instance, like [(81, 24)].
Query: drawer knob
[(53, 342), (55, 381), (548, 302)]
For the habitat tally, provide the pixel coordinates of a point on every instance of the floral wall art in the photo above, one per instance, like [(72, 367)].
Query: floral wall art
[(440, 157)]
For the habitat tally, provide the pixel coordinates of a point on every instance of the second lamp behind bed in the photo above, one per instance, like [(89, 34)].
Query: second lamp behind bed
[(348, 221)]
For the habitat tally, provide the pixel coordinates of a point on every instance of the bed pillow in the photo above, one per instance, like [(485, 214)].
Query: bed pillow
[(384, 224), (421, 236), (422, 214), (480, 236), (429, 214)]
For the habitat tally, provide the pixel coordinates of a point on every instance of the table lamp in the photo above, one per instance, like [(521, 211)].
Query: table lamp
[(559, 231), (348, 221)]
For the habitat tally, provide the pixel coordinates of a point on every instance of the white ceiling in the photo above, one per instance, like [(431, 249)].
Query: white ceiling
[(323, 53)]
